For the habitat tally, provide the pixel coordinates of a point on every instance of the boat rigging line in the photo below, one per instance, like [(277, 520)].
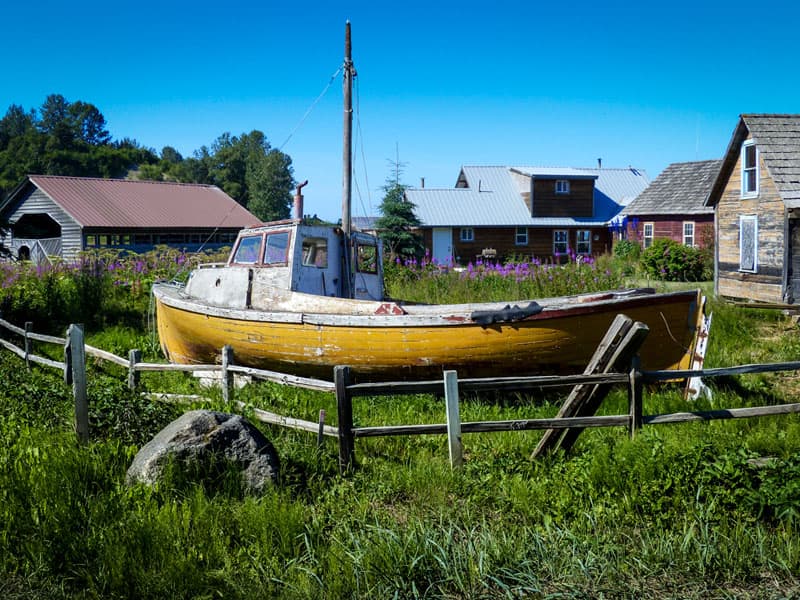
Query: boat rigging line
[(311, 108)]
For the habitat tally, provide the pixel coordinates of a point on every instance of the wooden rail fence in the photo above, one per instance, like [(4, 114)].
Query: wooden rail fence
[(74, 369)]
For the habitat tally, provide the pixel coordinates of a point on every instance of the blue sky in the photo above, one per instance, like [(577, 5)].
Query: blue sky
[(440, 84)]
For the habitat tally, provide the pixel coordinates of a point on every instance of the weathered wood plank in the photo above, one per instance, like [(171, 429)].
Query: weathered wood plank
[(48, 339), (581, 393), (143, 366), (15, 349), (652, 376), (730, 413), (109, 356), (11, 327), (284, 379), (493, 426)]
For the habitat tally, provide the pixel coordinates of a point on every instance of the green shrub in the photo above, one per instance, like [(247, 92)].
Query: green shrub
[(627, 249), (670, 261)]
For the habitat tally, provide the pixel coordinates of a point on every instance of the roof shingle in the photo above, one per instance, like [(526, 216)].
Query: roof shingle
[(680, 189)]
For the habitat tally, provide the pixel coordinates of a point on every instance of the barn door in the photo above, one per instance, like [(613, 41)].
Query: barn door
[(793, 287)]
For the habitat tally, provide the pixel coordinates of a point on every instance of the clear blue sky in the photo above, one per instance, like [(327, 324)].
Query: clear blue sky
[(440, 84)]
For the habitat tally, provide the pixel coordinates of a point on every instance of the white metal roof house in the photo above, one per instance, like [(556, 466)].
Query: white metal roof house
[(524, 211)]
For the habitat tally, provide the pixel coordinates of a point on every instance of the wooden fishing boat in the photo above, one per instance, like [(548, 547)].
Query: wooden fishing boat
[(300, 298), (278, 302)]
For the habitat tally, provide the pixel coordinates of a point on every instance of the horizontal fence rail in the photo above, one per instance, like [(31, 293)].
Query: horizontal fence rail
[(451, 388)]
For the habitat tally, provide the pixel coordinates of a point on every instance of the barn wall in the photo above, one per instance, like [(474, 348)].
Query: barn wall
[(767, 284), (37, 202)]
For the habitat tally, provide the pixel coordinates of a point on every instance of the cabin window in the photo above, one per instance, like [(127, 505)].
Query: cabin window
[(748, 243), (749, 170), (247, 250), (276, 248), (647, 235), (367, 259), (583, 243), (562, 186), (467, 234), (315, 252), (91, 241), (521, 238), (560, 242), (688, 233)]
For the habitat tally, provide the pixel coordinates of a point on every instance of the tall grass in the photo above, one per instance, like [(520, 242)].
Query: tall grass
[(694, 510)]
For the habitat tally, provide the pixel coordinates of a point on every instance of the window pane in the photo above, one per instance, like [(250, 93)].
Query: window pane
[(747, 241), (277, 245), (248, 249)]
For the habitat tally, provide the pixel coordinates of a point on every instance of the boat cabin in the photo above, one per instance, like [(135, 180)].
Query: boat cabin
[(267, 263)]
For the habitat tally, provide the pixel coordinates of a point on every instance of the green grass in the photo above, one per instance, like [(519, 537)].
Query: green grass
[(680, 511)]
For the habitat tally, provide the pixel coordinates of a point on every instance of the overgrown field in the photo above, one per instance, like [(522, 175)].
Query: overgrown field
[(693, 510)]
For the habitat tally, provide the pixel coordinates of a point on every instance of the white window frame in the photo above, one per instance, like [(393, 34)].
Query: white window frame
[(565, 241), (688, 237), (586, 242), (647, 240), (562, 186), (750, 173), (467, 234), (521, 236), (746, 268)]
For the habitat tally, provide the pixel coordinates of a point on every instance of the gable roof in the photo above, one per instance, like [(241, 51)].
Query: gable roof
[(487, 196), (777, 137), (126, 203), (680, 189)]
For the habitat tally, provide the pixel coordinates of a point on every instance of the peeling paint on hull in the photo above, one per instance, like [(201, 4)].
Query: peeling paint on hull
[(561, 338)]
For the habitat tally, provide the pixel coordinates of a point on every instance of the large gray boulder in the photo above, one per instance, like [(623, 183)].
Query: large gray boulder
[(203, 439)]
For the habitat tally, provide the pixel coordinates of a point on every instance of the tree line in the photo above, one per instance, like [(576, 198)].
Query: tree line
[(71, 138)]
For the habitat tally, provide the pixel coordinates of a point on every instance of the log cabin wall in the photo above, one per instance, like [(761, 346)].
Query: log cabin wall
[(579, 202), (766, 284)]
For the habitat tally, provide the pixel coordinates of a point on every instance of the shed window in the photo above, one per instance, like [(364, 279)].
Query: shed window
[(560, 242), (583, 243), (562, 186), (467, 234), (647, 235), (749, 170), (688, 233), (748, 243), (521, 237)]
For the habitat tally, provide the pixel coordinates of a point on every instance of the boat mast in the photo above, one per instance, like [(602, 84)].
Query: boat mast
[(347, 158)]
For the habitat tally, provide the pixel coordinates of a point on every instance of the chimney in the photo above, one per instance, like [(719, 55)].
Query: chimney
[(422, 182), (599, 163), (298, 201)]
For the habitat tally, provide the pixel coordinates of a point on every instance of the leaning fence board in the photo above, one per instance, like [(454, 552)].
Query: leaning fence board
[(492, 426), (721, 371), (49, 339), (275, 377), (15, 349), (104, 355), (274, 419), (174, 367), (41, 360), (12, 327), (729, 413)]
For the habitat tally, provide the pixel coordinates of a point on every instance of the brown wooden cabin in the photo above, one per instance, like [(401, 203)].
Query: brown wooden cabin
[(499, 213), (756, 198)]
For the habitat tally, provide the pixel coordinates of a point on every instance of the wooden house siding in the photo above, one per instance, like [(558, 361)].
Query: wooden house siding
[(670, 227), (767, 284), (579, 202), (37, 202), (503, 241)]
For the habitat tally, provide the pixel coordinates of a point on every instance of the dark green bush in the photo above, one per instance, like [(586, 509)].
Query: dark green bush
[(627, 249), (668, 260)]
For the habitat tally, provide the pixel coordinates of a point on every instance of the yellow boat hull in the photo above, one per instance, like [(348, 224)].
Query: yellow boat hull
[(557, 340)]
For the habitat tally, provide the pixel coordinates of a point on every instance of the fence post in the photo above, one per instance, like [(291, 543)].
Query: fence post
[(68, 360), (28, 344), (344, 407), (321, 432), (453, 419), (635, 396), (77, 352), (134, 356), (227, 376)]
